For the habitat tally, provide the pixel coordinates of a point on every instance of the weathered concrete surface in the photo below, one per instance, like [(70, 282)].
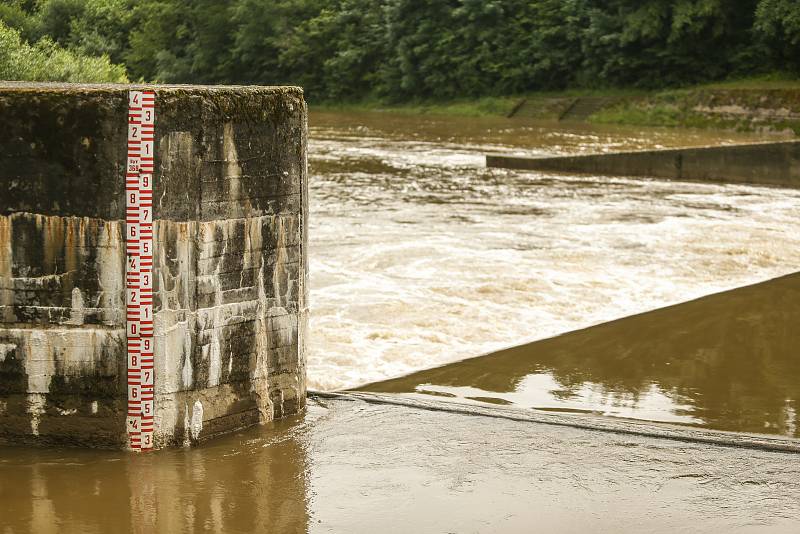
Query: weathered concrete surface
[(758, 163), (229, 268)]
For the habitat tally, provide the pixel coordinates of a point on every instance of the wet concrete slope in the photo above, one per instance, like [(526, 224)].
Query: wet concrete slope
[(758, 163), (728, 361)]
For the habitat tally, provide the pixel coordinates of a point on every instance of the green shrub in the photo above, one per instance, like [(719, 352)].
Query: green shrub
[(46, 61)]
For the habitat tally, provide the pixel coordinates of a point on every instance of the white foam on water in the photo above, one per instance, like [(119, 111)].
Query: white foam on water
[(433, 258)]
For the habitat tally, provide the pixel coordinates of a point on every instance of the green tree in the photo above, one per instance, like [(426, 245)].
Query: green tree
[(18, 14), (777, 26), (656, 43), (46, 61), (417, 49)]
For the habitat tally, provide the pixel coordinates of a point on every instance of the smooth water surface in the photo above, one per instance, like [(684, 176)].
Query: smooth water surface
[(349, 467)]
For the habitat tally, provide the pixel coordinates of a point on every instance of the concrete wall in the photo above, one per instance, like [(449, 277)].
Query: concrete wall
[(762, 163), (230, 264)]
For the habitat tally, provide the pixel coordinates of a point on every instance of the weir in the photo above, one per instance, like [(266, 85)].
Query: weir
[(756, 163), (707, 353), (229, 261)]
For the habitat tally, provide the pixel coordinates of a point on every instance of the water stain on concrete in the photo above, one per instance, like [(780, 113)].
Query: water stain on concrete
[(230, 172)]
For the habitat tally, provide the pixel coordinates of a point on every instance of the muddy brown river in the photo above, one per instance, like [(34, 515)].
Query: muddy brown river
[(423, 259), (421, 256)]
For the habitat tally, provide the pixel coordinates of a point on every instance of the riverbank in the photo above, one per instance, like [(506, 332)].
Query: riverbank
[(547, 104), (490, 106), (745, 105)]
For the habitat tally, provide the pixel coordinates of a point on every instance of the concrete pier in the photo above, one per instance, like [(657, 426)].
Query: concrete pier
[(229, 266), (758, 163)]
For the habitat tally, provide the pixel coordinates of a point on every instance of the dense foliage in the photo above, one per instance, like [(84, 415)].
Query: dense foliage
[(410, 49), (45, 61)]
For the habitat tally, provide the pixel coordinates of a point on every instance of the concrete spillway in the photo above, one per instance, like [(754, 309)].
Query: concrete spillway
[(757, 163), (229, 265)]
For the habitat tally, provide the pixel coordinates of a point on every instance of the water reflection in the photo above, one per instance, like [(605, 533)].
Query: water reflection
[(252, 482), (352, 467), (729, 361), (432, 135)]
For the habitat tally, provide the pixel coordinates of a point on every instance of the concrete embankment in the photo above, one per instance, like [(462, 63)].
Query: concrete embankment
[(562, 108), (758, 163), (229, 261)]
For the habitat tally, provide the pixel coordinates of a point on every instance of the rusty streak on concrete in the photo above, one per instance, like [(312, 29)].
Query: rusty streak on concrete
[(230, 265)]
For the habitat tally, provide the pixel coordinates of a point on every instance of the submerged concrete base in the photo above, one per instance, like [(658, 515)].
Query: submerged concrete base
[(759, 163), (229, 264)]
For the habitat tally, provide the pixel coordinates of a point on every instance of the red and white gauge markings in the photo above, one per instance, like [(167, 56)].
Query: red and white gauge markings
[(139, 268)]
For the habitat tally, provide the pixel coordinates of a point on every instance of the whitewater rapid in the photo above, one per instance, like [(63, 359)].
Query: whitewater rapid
[(422, 256)]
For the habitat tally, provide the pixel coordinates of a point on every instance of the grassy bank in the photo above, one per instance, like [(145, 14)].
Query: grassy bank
[(479, 107), (755, 104), (488, 106), (771, 104)]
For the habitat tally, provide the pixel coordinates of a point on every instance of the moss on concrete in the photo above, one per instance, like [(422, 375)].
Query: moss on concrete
[(229, 275)]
